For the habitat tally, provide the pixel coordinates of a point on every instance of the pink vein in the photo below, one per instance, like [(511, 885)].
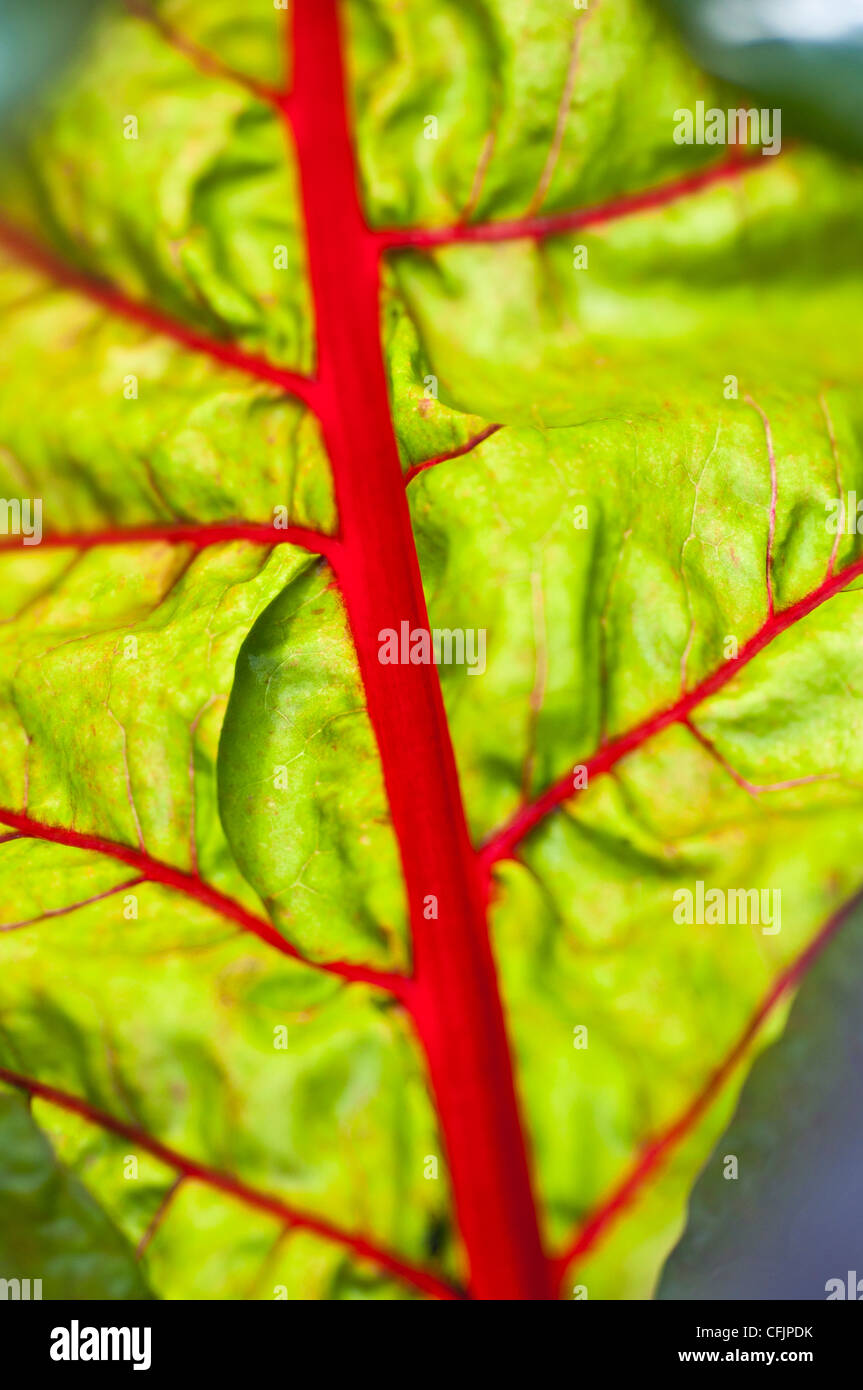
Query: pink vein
[(562, 117), (197, 534), (834, 449), (502, 844), (231, 1185), (656, 1150), (479, 175), (159, 1216), (19, 244), (154, 871), (73, 907), (755, 789), (771, 455), (542, 226), (466, 448)]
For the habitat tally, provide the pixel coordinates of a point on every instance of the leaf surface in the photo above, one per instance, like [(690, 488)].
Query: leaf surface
[(314, 939)]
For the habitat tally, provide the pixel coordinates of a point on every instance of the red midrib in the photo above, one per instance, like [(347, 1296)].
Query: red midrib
[(455, 1000)]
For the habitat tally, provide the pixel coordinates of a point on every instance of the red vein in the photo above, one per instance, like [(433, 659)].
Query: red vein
[(154, 871), (197, 534), (521, 228), (456, 1002), (24, 248), (232, 1186), (502, 844), (466, 448), (657, 1149), (201, 58)]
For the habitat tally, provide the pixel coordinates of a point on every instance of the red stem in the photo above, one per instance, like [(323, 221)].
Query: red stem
[(455, 1000), (232, 1186)]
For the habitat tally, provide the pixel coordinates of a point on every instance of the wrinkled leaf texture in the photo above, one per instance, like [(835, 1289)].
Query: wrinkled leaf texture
[(223, 818)]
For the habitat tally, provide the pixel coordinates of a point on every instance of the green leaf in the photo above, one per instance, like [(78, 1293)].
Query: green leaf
[(210, 193), (248, 870), (51, 1228), (316, 845), (150, 1003), (584, 926), (496, 76)]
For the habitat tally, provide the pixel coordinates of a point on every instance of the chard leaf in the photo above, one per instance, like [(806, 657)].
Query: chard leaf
[(340, 977)]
